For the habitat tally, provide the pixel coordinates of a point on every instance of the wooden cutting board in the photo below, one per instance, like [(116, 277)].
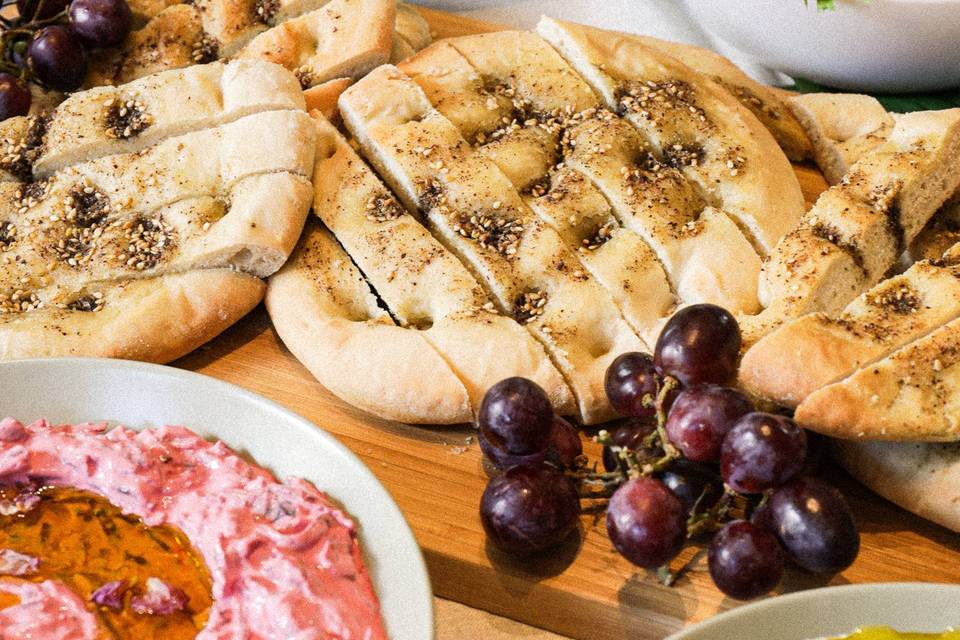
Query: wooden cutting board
[(584, 589)]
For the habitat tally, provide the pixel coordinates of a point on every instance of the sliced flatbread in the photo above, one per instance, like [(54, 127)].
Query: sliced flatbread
[(763, 101), (475, 210), (344, 38), (843, 127), (327, 316)]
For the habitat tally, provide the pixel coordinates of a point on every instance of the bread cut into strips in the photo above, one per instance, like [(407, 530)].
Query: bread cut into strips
[(515, 110), (913, 394), (843, 127), (143, 10), (424, 286), (921, 477), (763, 101), (323, 97), (344, 38), (475, 211), (154, 319), (327, 316), (141, 214), (22, 138), (858, 229), (109, 120), (412, 27), (817, 349), (692, 123), (940, 234), (172, 39), (234, 23)]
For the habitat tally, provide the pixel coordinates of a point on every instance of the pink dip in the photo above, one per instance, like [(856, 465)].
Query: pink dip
[(285, 563)]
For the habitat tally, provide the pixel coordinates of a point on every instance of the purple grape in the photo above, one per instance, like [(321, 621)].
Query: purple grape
[(630, 434), (516, 415), (529, 509), (629, 379), (14, 97), (692, 482), (815, 525), (101, 23), (562, 450), (49, 8), (645, 522), (745, 561), (57, 58), (762, 451), (700, 418), (700, 344)]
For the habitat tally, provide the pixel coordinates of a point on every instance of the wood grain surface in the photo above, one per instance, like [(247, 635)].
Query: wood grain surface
[(584, 589)]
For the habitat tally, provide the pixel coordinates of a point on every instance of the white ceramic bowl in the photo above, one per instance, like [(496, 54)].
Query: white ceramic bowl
[(140, 395), (875, 45), (836, 611)]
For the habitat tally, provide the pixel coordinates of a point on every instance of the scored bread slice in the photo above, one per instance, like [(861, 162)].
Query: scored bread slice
[(760, 99), (858, 228), (154, 319), (344, 38), (513, 95), (475, 211), (940, 234), (422, 284), (109, 120), (693, 124), (912, 394), (325, 313), (805, 354), (843, 127)]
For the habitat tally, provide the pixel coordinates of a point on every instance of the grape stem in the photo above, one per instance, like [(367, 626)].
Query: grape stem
[(668, 578)]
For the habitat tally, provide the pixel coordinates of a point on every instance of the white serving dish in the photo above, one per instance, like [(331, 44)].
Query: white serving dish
[(141, 395), (836, 611), (875, 45)]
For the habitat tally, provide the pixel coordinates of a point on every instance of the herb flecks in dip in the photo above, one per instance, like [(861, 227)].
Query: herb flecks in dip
[(86, 543), (284, 562)]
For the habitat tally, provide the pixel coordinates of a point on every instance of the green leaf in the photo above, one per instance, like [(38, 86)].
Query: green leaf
[(900, 103)]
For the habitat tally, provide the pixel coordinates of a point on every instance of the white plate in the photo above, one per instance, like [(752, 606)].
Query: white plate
[(836, 611), (141, 395)]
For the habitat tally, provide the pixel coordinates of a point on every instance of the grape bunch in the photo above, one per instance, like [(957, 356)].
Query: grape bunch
[(48, 43), (691, 461)]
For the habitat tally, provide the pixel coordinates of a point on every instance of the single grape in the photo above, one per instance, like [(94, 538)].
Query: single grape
[(101, 23), (745, 561), (18, 52), (57, 58), (562, 450), (48, 8), (629, 434), (815, 525), (699, 344), (645, 522), (692, 482), (629, 379), (700, 418), (529, 509), (14, 97), (762, 451), (516, 415)]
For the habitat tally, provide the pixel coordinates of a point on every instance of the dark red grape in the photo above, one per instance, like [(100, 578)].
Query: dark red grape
[(101, 23), (57, 58), (762, 451), (699, 344), (692, 482), (815, 525), (645, 522), (629, 434), (629, 379), (516, 415), (14, 97), (49, 8), (529, 509), (700, 418), (745, 560), (562, 450)]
